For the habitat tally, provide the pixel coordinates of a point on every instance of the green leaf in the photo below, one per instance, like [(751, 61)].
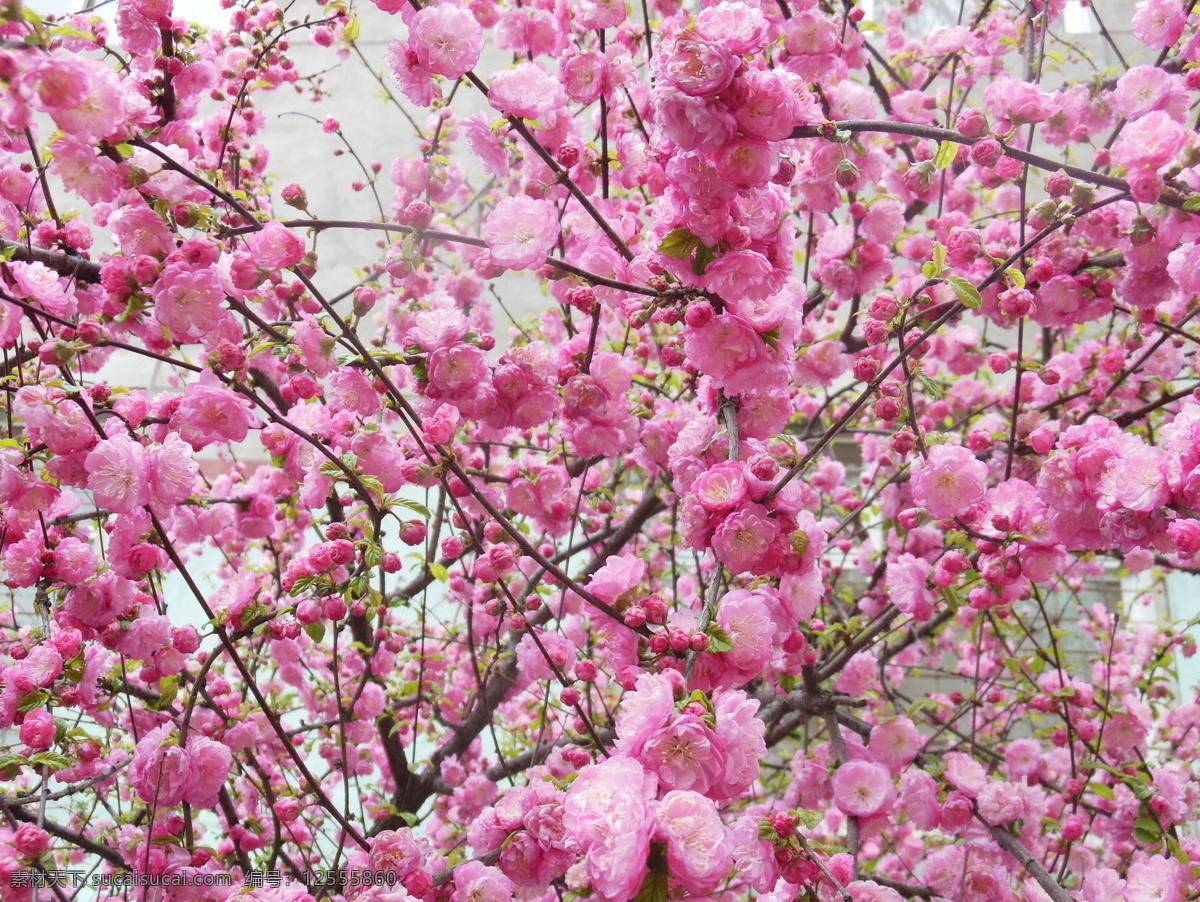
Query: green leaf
[(968, 294), (654, 888), (704, 256), (1014, 277), (166, 694), (1101, 789), (53, 760), (678, 243), (440, 573), (1146, 830), (1192, 204), (315, 630), (946, 153), (718, 639), (352, 29), (414, 506), (809, 817)]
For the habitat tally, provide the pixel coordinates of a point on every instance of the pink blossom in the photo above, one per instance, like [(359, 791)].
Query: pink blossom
[(475, 881), (863, 788), (526, 91), (907, 586), (275, 246), (721, 488), (160, 770), (619, 575), (447, 39), (37, 729), (1158, 23), (949, 481), (1151, 142), (744, 540), (210, 413), (456, 370), (1155, 878), (696, 66), (684, 754), (643, 712), (209, 763), (741, 732), (699, 849), (117, 474), (521, 231), (965, 773), (746, 619), (895, 743), (187, 300), (606, 810)]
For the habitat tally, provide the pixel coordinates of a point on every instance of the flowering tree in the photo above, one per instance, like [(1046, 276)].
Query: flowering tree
[(749, 567)]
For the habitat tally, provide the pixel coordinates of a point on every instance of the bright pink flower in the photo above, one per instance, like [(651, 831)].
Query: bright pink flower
[(949, 481), (745, 617), (699, 848), (619, 575), (722, 488), (526, 91), (187, 300), (744, 540), (275, 246), (210, 413), (456, 370), (863, 788), (117, 474), (521, 231), (743, 274), (737, 26), (447, 39), (684, 754), (691, 122), (37, 729), (160, 770), (99, 602), (696, 66), (209, 763)]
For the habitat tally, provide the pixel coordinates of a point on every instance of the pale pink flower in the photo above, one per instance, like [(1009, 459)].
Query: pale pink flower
[(684, 754), (741, 732), (275, 246), (521, 231), (117, 474), (606, 810), (870, 891), (895, 743), (745, 617), (1150, 142), (1156, 878), (447, 39), (965, 773), (907, 586), (643, 712), (863, 788), (187, 300), (949, 481), (600, 13), (475, 881), (1158, 23), (696, 66), (526, 91), (699, 848)]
